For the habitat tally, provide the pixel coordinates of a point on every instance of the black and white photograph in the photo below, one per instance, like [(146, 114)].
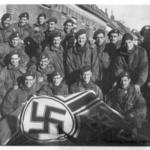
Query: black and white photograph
[(74, 75)]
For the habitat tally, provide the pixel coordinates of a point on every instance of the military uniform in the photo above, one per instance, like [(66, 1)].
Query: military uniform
[(78, 57), (24, 31), (136, 62), (81, 86), (5, 32), (129, 103), (52, 90)]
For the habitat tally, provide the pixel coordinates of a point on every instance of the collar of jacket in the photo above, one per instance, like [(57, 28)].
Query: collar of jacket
[(86, 85), (101, 47), (79, 50), (53, 87), (56, 49), (11, 67), (124, 51)]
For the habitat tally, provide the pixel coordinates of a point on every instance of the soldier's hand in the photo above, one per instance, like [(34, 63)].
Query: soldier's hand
[(148, 84), (137, 87), (40, 79)]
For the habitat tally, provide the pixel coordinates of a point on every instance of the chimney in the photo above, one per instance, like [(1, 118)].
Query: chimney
[(106, 12), (112, 15)]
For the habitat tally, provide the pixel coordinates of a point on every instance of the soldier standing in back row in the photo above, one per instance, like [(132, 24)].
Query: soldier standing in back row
[(23, 27), (81, 54), (6, 28)]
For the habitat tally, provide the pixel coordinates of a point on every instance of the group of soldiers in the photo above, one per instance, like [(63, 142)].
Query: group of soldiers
[(41, 59)]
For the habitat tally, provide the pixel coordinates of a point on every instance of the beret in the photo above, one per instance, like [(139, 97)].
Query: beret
[(14, 53), (56, 34), (30, 73), (127, 36), (113, 31), (80, 32), (85, 69), (52, 19), (13, 35), (41, 15), (98, 32), (68, 20), (55, 73), (24, 14), (5, 16), (43, 56), (124, 74)]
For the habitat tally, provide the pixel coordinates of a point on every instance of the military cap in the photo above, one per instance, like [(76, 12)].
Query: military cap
[(127, 36), (5, 16), (52, 19), (43, 56), (113, 31), (13, 35), (24, 14), (124, 74), (56, 34), (68, 20), (14, 53), (30, 73), (145, 29), (80, 32), (85, 69), (98, 32), (55, 73), (41, 15)]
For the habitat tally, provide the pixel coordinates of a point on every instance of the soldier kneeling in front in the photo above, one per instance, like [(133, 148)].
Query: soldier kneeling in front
[(126, 100)]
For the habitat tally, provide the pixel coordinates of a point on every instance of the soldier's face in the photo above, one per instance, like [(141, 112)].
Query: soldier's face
[(41, 20), (57, 80), (7, 22), (82, 39), (56, 41), (129, 44), (87, 76), (51, 26), (125, 82), (15, 60), (100, 39), (44, 63), (114, 37), (23, 21), (68, 27), (29, 81), (15, 41)]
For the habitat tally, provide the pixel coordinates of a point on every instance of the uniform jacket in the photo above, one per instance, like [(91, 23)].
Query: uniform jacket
[(77, 58), (24, 31), (56, 56), (81, 86), (136, 62), (5, 33), (15, 97), (128, 101), (51, 90)]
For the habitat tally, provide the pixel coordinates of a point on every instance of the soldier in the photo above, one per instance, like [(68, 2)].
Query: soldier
[(23, 27), (52, 28), (16, 45), (41, 22), (86, 83), (43, 68), (55, 52), (68, 27), (134, 59), (15, 98), (103, 60), (9, 76), (80, 55), (6, 28), (56, 86), (125, 99)]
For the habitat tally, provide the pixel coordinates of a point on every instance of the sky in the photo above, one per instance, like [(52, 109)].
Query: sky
[(133, 16)]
